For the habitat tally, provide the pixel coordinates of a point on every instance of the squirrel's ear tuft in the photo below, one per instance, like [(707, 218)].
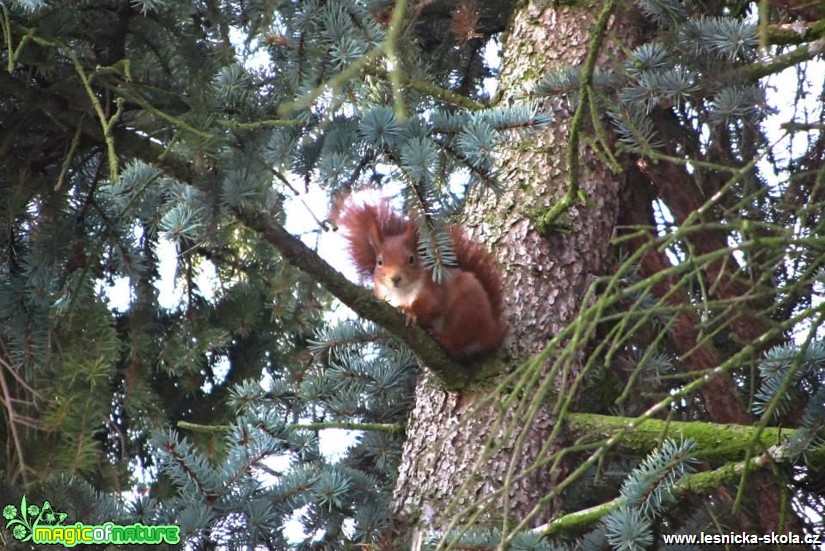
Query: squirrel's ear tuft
[(366, 226), (411, 235)]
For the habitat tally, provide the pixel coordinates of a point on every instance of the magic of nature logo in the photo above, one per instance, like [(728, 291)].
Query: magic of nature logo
[(45, 524)]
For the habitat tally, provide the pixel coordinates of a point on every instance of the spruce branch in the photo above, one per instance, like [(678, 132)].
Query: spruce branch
[(573, 335), (685, 161), (13, 420), (601, 145), (106, 124), (801, 127), (335, 82), (265, 123), (391, 51), (175, 121), (686, 390), (390, 428), (69, 155), (6, 27), (482, 175), (774, 405), (427, 88), (52, 106), (453, 375), (696, 483), (185, 467), (806, 52), (200, 427), (795, 33), (545, 222)]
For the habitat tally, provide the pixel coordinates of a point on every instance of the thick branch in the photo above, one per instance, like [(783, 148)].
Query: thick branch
[(806, 52), (812, 12), (720, 395), (694, 483), (452, 374), (362, 303), (715, 442)]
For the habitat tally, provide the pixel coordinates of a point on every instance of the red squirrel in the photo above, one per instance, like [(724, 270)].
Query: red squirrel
[(462, 312)]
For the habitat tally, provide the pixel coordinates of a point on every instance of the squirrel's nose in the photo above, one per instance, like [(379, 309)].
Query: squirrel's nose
[(396, 280)]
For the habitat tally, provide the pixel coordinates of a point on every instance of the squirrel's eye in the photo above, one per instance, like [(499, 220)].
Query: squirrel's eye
[(411, 259), (379, 261)]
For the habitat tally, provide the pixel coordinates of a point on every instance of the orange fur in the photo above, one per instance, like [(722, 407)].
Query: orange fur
[(463, 312)]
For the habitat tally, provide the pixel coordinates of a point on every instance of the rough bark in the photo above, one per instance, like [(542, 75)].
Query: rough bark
[(545, 280)]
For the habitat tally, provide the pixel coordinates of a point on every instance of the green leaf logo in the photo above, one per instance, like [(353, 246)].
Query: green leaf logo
[(20, 522), (23, 521)]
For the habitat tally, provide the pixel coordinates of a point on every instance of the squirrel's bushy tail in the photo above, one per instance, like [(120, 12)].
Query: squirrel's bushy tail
[(473, 257)]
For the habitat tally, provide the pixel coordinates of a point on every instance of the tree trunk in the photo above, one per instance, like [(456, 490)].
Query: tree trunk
[(465, 451)]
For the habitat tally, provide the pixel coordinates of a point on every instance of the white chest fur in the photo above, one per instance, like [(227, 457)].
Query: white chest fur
[(401, 296)]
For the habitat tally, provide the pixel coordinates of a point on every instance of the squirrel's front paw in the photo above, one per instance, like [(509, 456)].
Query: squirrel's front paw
[(412, 319)]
